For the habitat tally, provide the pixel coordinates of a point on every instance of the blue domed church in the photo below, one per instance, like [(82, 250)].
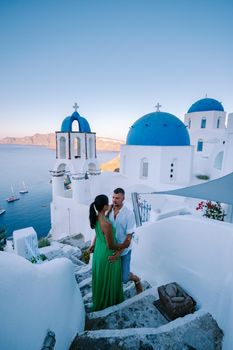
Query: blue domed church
[(206, 123), (157, 151)]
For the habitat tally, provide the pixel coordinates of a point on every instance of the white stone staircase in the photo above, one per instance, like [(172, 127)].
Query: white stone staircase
[(137, 324)]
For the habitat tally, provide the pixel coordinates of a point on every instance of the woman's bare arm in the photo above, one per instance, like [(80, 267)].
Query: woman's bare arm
[(92, 246)]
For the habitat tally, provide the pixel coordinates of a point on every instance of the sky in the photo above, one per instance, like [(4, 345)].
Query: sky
[(116, 58)]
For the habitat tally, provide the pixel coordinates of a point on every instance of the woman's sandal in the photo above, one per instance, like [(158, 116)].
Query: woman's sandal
[(138, 286)]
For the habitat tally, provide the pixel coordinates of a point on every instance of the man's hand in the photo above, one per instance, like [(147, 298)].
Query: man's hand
[(91, 249), (113, 257)]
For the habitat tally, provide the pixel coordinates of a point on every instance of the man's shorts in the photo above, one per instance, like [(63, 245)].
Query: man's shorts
[(125, 266)]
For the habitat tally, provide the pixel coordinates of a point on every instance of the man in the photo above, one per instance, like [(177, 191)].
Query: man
[(123, 221)]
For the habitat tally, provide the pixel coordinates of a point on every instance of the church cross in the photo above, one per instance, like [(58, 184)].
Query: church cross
[(158, 106), (75, 106)]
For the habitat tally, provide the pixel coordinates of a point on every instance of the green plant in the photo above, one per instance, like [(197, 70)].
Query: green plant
[(43, 242), (85, 256), (212, 210), (203, 177), (34, 260), (3, 233)]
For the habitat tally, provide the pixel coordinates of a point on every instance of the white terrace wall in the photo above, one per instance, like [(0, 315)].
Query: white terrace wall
[(198, 254), (35, 299)]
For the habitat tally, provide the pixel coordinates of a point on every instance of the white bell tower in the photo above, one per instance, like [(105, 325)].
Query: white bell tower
[(76, 164)]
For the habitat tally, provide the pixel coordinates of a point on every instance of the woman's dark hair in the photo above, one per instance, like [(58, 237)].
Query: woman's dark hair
[(95, 207)]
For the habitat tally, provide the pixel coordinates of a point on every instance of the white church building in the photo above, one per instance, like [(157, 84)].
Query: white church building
[(157, 151), (212, 137)]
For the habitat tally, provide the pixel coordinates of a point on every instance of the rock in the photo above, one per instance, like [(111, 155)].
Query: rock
[(171, 290)]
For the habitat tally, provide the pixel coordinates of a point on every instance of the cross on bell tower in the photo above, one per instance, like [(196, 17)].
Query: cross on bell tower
[(75, 106), (158, 106)]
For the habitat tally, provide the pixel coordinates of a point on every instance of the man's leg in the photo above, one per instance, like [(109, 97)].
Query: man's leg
[(125, 267), (127, 275)]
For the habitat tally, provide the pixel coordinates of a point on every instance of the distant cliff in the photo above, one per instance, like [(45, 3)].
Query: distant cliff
[(48, 140)]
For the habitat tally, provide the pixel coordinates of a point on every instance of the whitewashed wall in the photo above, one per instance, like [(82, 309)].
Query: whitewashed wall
[(159, 160), (198, 254), (35, 299), (69, 217)]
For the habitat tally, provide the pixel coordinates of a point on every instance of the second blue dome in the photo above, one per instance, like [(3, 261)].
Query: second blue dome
[(206, 104), (158, 129)]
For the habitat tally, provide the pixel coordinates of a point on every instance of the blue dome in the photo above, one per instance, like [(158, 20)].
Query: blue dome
[(206, 104), (158, 129), (82, 123)]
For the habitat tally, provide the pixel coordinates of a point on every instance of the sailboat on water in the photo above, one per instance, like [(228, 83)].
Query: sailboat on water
[(2, 211), (24, 189), (12, 198)]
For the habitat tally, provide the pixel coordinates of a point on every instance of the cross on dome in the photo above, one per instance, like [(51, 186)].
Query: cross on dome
[(75, 106), (158, 106)]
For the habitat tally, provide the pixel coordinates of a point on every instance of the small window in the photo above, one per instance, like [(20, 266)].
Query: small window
[(199, 146), (203, 123), (189, 123), (218, 123), (144, 168)]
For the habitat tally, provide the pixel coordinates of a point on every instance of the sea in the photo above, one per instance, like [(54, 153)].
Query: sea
[(29, 165)]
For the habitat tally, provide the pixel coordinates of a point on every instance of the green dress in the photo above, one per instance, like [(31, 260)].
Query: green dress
[(107, 288)]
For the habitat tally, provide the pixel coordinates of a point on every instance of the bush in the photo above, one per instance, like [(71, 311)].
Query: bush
[(85, 256), (203, 177), (35, 260), (2, 238), (211, 210), (43, 242)]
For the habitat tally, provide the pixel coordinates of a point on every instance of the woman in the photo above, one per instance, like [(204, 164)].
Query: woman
[(107, 289)]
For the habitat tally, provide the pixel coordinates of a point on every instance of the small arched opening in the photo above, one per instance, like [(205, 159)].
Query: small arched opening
[(62, 147), (218, 161), (77, 147), (90, 144)]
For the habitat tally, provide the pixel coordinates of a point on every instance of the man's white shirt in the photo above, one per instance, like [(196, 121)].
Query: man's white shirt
[(124, 224)]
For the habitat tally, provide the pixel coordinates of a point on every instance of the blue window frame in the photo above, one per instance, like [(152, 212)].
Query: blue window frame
[(199, 146), (203, 123)]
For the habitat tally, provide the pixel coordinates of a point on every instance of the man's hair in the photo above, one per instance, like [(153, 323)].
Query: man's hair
[(119, 190)]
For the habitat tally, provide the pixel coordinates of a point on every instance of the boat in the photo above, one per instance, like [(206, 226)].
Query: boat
[(12, 198), (2, 211), (24, 189)]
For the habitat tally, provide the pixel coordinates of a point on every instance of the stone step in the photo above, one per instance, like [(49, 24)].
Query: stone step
[(86, 291), (195, 331), (138, 311)]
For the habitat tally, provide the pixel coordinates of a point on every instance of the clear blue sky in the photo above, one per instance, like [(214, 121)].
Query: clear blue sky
[(115, 58)]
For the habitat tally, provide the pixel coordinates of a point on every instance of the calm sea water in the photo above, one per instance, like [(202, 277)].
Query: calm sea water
[(29, 164)]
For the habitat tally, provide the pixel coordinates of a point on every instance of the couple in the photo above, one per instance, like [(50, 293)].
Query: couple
[(114, 228)]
